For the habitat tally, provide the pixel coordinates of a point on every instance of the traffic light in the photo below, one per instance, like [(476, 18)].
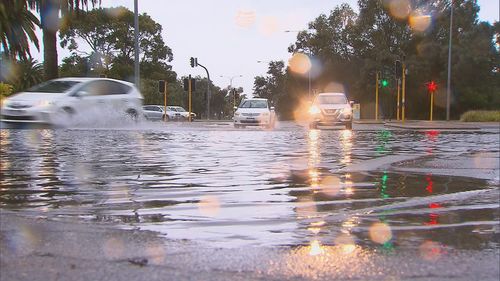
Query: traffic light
[(431, 86), (161, 86), (193, 62), (398, 69), (384, 83)]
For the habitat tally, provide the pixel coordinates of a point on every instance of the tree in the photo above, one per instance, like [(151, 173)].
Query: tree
[(17, 28), (107, 33), (351, 48), (27, 73), (49, 18)]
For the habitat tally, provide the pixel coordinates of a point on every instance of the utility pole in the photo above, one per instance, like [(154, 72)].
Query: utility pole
[(376, 94), (448, 90), (136, 43)]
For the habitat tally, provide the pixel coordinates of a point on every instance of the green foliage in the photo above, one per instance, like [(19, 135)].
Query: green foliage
[(24, 74), (17, 28), (349, 48), (5, 90), (107, 33), (481, 116)]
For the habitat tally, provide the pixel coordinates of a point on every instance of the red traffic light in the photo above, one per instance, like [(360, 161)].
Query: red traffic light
[(431, 86)]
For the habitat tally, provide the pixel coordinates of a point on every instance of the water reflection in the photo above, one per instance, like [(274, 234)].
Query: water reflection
[(251, 187)]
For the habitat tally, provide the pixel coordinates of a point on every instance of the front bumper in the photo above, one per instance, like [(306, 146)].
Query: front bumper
[(29, 115), (251, 120), (332, 120)]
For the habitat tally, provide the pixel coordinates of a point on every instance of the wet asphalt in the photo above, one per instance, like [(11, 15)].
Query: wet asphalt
[(205, 201)]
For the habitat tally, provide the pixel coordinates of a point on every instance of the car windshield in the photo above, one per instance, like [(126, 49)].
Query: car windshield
[(254, 104), (53, 87), (337, 99), (180, 109)]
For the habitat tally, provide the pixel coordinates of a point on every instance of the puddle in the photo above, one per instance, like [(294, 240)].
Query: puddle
[(231, 187)]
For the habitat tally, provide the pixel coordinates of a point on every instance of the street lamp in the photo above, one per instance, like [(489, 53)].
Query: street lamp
[(309, 55), (136, 44), (231, 86)]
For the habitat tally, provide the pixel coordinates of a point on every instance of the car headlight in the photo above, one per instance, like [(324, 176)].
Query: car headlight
[(313, 110), (44, 103), (236, 113)]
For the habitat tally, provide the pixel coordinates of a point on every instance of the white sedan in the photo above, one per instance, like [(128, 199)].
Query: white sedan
[(254, 112), (61, 101)]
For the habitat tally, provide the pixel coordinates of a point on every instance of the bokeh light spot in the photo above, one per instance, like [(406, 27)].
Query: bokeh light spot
[(380, 233), (419, 22), (400, 9), (209, 206), (245, 19), (113, 248), (430, 250), (300, 63)]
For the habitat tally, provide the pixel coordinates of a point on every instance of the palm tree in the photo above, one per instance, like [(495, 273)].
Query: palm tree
[(28, 73), (17, 26), (49, 16)]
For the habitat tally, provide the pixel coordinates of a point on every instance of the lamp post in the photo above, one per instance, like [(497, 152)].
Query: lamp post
[(448, 90), (231, 86), (309, 55), (136, 44)]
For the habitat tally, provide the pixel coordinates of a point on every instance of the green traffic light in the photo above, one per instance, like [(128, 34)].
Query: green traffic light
[(385, 83)]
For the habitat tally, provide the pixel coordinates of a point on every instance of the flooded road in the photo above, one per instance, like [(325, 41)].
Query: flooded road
[(231, 187)]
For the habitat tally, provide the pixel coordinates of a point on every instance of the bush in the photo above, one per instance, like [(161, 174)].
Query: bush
[(481, 116), (5, 90)]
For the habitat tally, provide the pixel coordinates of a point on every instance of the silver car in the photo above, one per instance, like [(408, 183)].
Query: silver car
[(61, 101), (331, 109), (157, 112)]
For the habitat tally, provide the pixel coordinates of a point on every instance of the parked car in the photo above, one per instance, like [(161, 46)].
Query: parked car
[(254, 112), (184, 114), (331, 109), (157, 112), (59, 101)]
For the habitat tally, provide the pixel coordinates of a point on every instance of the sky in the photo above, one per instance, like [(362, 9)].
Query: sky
[(230, 37)]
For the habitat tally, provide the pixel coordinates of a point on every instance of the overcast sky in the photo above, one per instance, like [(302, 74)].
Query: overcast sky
[(230, 36)]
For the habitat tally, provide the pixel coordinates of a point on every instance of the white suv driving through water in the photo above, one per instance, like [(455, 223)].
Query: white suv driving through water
[(331, 109), (60, 101)]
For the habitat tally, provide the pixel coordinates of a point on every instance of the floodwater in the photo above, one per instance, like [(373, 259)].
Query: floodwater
[(230, 187)]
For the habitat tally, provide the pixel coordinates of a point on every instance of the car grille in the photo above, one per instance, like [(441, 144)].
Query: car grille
[(249, 121), (250, 114), (332, 111), (18, 118), (18, 106)]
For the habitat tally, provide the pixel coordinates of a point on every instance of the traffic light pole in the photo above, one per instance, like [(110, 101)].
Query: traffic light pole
[(432, 104), (189, 94), (208, 91), (165, 100), (376, 95), (403, 94), (397, 103)]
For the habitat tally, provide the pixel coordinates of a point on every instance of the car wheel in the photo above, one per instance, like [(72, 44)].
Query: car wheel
[(348, 125), (165, 118), (132, 114)]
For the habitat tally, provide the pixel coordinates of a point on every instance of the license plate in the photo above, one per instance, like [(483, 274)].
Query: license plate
[(250, 118)]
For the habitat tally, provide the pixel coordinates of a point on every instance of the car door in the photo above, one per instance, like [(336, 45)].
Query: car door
[(89, 99)]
